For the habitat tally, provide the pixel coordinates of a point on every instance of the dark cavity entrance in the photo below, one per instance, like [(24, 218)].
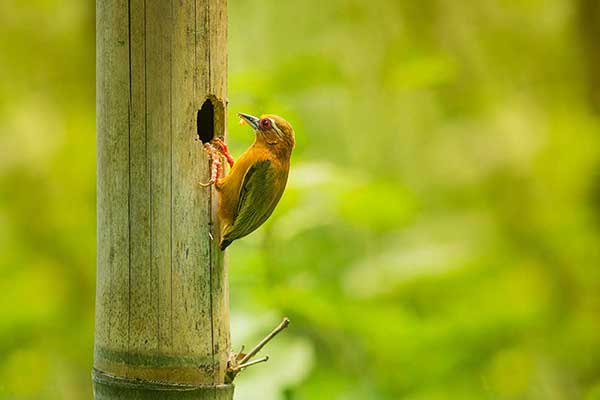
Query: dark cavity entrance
[(205, 121)]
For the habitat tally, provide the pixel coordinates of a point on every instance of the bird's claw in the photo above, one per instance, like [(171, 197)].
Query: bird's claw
[(203, 184), (216, 150), (224, 150)]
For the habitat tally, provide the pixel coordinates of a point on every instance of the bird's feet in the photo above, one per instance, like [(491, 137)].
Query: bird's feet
[(224, 150), (216, 150), (216, 163)]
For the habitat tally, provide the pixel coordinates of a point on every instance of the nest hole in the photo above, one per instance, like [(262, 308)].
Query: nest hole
[(205, 121)]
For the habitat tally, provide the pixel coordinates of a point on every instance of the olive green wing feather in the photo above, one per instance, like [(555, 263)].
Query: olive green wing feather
[(259, 194)]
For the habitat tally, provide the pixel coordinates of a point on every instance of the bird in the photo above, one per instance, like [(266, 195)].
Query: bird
[(249, 193)]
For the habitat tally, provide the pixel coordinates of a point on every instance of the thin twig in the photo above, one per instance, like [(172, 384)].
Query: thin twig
[(266, 340), (249, 363)]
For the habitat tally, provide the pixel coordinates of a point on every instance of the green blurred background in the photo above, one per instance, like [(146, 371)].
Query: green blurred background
[(440, 234)]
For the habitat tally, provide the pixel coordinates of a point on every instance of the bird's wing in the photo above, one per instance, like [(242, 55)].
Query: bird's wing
[(256, 202)]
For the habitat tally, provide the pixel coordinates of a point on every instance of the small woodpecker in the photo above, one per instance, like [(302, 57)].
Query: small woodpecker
[(249, 193)]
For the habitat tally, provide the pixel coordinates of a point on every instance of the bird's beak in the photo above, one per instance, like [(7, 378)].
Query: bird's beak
[(252, 121)]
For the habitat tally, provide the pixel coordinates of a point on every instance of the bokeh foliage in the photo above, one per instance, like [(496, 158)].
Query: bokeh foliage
[(440, 234)]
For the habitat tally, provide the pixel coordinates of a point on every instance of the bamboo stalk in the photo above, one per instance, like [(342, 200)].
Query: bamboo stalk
[(162, 313)]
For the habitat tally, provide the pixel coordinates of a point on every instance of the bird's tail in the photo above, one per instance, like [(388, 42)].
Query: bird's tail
[(224, 243)]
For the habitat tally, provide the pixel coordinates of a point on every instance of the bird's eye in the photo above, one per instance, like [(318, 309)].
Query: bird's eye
[(265, 123)]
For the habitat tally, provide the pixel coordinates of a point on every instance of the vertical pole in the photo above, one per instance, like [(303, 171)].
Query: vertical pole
[(162, 318)]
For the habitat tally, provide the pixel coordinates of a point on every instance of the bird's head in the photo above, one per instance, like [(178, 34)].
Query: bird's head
[(272, 130)]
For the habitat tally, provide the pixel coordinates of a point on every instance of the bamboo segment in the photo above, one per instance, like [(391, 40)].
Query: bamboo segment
[(162, 312)]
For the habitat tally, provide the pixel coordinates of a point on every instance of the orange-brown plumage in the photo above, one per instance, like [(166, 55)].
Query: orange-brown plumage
[(249, 193)]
